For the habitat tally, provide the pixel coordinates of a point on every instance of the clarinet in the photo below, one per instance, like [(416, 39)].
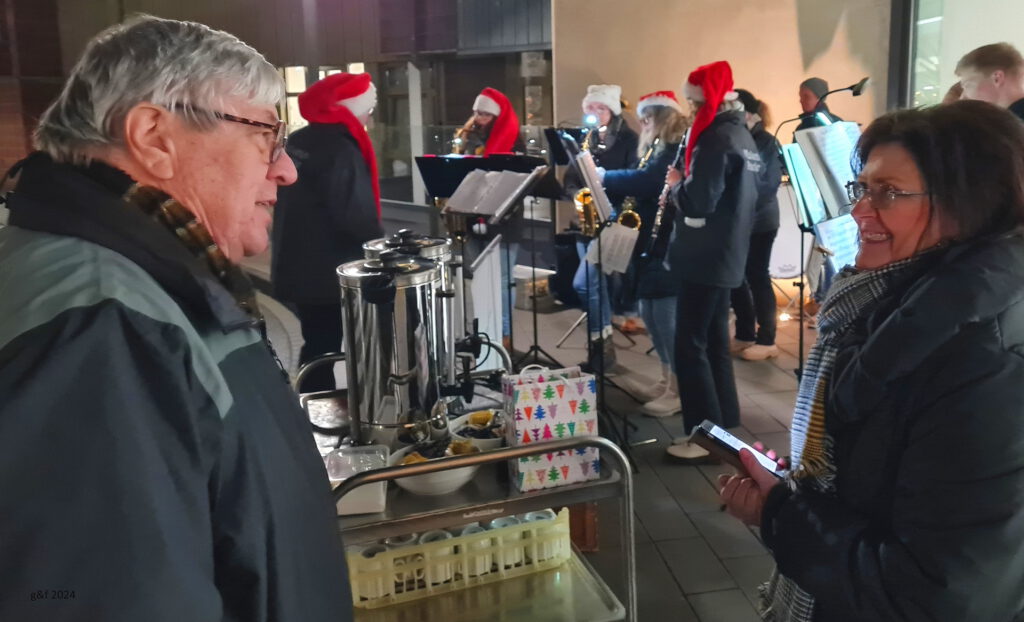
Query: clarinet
[(652, 250)]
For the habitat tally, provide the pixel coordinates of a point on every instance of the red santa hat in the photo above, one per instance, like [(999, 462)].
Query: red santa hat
[(339, 99), (609, 95), (710, 85), (658, 98), (505, 127)]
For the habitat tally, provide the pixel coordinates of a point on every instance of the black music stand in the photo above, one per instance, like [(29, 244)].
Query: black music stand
[(442, 176), (571, 150)]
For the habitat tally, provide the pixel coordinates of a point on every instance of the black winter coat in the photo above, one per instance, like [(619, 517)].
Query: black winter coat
[(811, 119), (652, 278), (1017, 108), (927, 413), (322, 220), (722, 190), (766, 213), (618, 151), (619, 148)]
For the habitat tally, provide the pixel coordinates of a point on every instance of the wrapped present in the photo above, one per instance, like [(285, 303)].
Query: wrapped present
[(546, 405)]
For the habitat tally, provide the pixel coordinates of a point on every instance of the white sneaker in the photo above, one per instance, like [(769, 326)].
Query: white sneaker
[(666, 405), (689, 453), (758, 352), (640, 386), (738, 345)]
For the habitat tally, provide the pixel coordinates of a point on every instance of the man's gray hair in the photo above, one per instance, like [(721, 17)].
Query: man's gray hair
[(181, 66)]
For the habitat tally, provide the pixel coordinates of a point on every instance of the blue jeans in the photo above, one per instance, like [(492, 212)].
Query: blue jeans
[(659, 315), (592, 288)]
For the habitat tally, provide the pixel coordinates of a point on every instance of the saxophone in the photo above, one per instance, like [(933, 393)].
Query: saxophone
[(584, 200), (586, 212), (629, 217)]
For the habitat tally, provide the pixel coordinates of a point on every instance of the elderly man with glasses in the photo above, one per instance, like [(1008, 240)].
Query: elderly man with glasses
[(155, 463)]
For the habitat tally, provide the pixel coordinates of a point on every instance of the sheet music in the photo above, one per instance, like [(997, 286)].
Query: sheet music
[(470, 192), (491, 193), (829, 151), (617, 243), (841, 237), (589, 171), (807, 194)]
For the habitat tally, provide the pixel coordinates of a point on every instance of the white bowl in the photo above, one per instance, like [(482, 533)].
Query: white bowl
[(432, 484), (483, 444)]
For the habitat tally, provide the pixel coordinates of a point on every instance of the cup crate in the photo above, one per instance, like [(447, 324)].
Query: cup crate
[(382, 576)]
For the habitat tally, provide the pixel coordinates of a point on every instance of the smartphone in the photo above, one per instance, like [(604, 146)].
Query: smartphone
[(727, 447)]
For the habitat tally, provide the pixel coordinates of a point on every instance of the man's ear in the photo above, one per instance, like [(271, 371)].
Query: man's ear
[(998, 77), (148, 138)]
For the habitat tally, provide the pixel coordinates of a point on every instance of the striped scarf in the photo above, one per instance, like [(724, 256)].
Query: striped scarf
[(853, 296)]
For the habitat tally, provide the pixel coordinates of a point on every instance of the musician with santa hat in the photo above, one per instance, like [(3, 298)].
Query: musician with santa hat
[(715, 195), (323, 219), (493, 127)]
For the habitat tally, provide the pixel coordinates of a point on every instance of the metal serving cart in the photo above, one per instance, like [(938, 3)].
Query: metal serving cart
[(574, 587), (574, 592)]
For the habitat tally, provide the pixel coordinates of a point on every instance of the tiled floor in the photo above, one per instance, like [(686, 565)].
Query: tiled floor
[(694, 561)]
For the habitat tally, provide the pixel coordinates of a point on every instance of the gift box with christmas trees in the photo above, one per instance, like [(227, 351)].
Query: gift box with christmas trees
[(547, 405)]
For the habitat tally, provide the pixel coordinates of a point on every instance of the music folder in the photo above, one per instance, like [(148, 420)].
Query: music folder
[(491, 193)]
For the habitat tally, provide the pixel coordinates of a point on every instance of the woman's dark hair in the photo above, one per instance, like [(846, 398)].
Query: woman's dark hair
[(971, 158)]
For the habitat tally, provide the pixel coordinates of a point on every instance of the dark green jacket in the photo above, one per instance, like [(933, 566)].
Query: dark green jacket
[(153, 459)]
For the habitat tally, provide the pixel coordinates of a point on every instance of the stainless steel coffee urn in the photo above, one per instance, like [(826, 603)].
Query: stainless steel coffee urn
[(388, 311), (449, 298)]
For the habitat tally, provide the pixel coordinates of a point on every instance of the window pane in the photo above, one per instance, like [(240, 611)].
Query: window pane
[(295, 79)]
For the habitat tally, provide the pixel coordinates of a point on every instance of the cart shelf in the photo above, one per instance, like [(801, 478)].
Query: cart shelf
[(572, 592)]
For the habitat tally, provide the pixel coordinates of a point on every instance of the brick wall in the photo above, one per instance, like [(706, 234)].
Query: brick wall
[(30, 71)]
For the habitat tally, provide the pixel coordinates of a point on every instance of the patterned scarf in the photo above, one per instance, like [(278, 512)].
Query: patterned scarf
[(853, 296)]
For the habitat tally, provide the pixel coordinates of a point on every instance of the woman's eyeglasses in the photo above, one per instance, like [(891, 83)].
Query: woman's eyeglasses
[(880, 198)]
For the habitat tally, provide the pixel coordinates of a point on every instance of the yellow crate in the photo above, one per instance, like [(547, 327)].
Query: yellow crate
[(400, 575)]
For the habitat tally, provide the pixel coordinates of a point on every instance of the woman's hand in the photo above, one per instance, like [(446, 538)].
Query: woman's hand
[(744, 494), (673, 176)]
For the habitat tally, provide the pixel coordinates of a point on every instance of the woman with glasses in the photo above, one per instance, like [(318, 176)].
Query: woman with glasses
[(323, 219), (663, 125), (906, 496)]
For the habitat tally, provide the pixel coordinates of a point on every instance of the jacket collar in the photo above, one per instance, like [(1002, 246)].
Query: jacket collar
[(85, 202), (969, 282), (934, 307)]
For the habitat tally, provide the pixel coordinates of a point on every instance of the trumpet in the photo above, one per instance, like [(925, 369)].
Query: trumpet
[(586, 211), (629, 217)]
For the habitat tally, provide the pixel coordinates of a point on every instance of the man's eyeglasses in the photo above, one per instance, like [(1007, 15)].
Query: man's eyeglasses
[(279, 129), (880, 198)]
